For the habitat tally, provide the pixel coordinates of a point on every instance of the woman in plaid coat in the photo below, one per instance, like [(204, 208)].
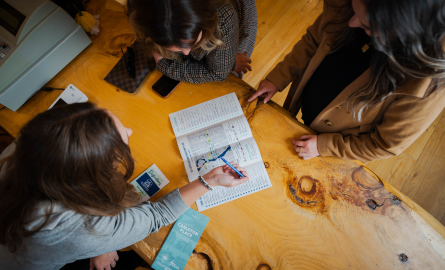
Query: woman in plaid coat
[(197, 41)]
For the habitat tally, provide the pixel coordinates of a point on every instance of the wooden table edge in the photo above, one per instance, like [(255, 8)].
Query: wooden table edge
[(430, 219)]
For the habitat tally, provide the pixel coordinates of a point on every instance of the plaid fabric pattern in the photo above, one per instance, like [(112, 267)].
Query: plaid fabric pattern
[(119, 76), (248, 24), (238, 25)]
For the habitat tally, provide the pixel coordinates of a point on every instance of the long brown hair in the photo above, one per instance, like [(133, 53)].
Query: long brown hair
[(73, 155), (410, 45), (166, 23)]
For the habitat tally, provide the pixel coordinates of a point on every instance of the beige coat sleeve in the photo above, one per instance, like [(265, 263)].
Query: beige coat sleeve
[(295, 63), (403, 122)]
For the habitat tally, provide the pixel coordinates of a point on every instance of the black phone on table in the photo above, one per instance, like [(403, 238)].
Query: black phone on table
[(165, 86)]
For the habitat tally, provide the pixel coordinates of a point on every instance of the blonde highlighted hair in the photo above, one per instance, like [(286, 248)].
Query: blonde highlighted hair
[(166, 23)]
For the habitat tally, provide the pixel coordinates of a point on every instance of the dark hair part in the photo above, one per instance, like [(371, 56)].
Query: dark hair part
[(410, 45), (73, 155), (167, 23)]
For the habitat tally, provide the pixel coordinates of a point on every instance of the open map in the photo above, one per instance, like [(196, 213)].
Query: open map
[(214, 129)]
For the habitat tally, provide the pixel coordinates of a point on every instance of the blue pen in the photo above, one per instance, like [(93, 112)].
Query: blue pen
[(233, 168)]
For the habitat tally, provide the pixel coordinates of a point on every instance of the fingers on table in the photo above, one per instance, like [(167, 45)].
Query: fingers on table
[(299, 143), (261, 90), (269, 97), (305, 137), (257, 94)]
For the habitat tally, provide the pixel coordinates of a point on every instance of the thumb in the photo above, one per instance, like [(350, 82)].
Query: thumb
[(91, 264), (269, 97)]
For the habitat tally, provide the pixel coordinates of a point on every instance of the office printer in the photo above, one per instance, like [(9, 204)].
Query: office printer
[(37, 40)]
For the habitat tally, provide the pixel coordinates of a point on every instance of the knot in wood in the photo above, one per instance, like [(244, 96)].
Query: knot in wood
[(403, 257), (366, 178), (372, 204), (306, 184), (394, 199), (263, 266)]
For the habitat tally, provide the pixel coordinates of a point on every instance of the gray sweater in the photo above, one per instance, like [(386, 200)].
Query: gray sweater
[(65, 238)]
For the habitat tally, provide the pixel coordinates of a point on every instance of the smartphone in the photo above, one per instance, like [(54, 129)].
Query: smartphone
[(70, 95), (165, 86)]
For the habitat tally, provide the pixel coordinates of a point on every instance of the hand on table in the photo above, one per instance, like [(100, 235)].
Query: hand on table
[(225, 176), (266, 89), (242, 64), (105, 261), (306, 146), (156, 56)]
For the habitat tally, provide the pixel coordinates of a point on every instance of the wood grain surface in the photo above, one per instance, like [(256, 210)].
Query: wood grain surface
[(399, 170), (324, 213)]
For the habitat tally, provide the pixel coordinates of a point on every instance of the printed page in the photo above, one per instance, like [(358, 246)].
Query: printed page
[(205, 114), (214, 129), (243, 152), (259, 180), (213, 137)]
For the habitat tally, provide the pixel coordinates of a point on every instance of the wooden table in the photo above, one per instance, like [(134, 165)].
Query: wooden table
[(319, 214)]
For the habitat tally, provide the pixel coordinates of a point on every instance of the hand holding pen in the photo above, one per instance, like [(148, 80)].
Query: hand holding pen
[(233, 168), (226, 176)]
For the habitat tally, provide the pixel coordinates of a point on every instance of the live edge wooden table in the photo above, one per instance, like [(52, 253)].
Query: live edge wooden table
[(324, 213)]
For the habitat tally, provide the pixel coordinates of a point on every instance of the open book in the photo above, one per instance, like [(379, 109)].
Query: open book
[(214, 129)]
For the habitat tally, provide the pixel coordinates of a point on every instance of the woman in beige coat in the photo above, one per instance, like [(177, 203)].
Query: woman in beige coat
[(368, 76)]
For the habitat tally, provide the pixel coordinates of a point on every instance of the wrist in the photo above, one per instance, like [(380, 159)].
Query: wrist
[(210, 179)]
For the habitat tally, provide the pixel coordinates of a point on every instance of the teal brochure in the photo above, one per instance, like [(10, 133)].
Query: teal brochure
[(181, 241)]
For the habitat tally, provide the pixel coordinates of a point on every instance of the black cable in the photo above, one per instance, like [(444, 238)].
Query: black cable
[(48, 89)]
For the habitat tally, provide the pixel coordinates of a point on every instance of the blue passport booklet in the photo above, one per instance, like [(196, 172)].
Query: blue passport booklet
[(181, 241)]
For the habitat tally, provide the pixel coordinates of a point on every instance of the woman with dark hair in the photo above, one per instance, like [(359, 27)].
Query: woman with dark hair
[(368, 76), (197, 41), (65, 195)]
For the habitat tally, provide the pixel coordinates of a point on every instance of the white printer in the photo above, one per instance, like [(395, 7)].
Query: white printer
[(37, 40)]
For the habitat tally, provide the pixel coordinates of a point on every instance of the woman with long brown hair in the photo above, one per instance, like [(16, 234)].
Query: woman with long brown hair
[(369, 76), (65, 196), (197, 41)]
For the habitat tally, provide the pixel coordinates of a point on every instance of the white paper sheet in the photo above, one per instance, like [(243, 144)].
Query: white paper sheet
[(205, 114), (214, 129)]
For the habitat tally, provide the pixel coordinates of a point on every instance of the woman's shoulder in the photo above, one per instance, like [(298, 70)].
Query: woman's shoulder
[(419, 88), (227, 16), (59, 216)]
